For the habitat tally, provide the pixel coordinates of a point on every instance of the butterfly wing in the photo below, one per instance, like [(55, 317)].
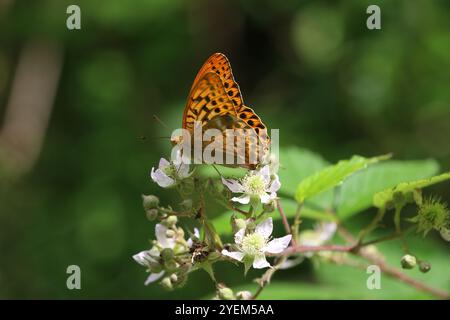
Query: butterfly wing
[(219, 64), (207, 100), (215, 100)]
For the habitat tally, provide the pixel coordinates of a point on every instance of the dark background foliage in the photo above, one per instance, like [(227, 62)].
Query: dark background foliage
[(310, 68)]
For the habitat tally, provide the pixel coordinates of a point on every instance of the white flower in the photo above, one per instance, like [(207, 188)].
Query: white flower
[(254, 246), (145, 258), (169, 173), (256, 184), (322, 233), (167, 238)]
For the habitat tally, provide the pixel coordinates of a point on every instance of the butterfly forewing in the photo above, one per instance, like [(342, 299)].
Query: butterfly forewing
[(208, 99), (215, 100)]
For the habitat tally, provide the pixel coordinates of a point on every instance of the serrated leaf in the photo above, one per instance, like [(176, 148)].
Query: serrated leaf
[(332, 176), (381, 198), (356, 194), (295, 165)]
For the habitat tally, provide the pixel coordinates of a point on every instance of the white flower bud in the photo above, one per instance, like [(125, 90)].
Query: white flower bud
[(173, 277), (166, 283), (240, 224), (171, 221), (170, 233), (225, 293), (244, 295)]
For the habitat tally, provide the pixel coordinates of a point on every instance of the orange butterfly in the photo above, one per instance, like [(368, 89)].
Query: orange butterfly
[(215, 102)]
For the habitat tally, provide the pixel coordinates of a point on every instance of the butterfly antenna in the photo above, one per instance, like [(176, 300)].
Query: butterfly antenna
[(160, 121), (143, 138)]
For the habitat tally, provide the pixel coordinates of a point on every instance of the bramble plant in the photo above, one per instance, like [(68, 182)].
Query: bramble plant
[(302, 186)]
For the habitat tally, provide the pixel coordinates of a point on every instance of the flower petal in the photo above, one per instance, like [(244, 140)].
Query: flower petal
[(163, 163), (196, 234), (233, 185), (278, 245), (265, 228), (161, 236), (265, 173), (183, 170), (244, 199), (275, 185), (153, 277), (178, 159), (239, 236), (326, 231), (265, 198), (290, 263), (236, 255), (161, 178), (143, 258), (260, 262)]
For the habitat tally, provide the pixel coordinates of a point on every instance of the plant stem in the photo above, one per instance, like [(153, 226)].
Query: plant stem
[(392, 236), (398, 227), (287, 228), (296, 223), (267, 276), (330, 247), (379, 216), (393, 272)]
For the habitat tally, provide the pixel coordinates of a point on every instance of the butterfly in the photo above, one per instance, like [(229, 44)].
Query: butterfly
[(215, 101)]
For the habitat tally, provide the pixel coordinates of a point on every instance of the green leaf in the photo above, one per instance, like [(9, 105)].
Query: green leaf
[(381, 198), (356, 194), (295, 165), (290, 209), (332, 176), (222, 222), (208, 171)]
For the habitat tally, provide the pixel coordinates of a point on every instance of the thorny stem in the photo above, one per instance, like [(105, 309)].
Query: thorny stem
[(354, 249), (267, 276), (287, 228), (393, 272)]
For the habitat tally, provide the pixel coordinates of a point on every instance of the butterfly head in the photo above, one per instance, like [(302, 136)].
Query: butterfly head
[(176, 139)]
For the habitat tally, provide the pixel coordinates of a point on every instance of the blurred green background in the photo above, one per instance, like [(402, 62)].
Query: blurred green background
[(310, 68)]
